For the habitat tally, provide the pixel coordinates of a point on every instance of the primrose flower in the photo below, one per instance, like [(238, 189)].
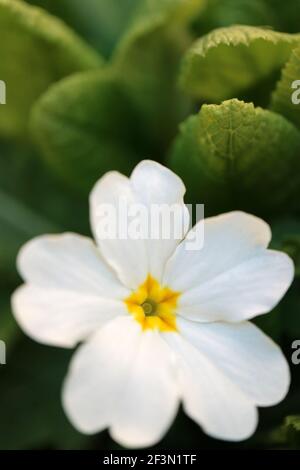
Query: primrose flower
[(159, 324)]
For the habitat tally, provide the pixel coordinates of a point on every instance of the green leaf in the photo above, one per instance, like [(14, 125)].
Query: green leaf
[(282, 16), (100, 22), (230, 62), (85, 125), (147, 60), (236, 156), (218, 14), (282, 97), (36, 49), (286, 14)]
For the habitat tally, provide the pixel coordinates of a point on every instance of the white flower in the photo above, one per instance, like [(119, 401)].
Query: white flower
[(160, 325)]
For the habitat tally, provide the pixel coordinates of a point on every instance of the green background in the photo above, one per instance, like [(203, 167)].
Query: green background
[(201, 86)]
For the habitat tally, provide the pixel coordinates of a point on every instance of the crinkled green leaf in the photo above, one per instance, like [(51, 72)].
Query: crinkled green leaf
[(234, 156), (36, 49), (147, 60), (229, 62), (85, 126), (282, 97)]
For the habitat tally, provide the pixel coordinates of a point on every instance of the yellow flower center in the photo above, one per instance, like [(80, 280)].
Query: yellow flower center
[(153, 305)]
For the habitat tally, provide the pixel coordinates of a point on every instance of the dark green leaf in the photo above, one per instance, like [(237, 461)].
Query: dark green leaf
[(100, 22), (36, 49), (218, 14), (147, 59), (85, 125)]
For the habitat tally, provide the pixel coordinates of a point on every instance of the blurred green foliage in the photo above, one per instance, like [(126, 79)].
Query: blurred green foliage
[(101, 84)]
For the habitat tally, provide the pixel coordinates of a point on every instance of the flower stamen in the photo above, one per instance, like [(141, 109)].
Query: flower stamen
[(149, 307), (153, 305)]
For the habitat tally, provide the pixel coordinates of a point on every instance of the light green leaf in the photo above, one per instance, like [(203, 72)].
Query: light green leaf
[(282, 97), (36, 49), (85, 126), (236, 156), (147, 60), (229, 62)]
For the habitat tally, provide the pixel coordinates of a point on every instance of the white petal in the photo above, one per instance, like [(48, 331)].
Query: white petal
[(68, 261), (209, 397), (242, 352), (60, 317), (157, 186), (127, 257), (123, 379), (233, 277), (251, 288), (229, 239), (98, 369), (70, 291), (149, 400), (150, 185)]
